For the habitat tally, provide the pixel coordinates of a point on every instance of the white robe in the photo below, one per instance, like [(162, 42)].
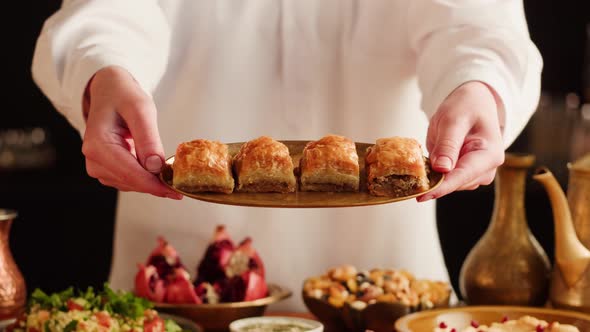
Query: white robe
[(233, 70)]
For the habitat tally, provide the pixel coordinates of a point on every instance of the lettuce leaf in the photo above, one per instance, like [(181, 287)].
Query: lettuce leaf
[(171, 326), (50, 301), (124, 303), (115, 302), (71, 326)]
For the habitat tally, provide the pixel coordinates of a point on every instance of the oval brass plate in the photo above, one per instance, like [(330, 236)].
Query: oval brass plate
[(461, 317), (298, 199)]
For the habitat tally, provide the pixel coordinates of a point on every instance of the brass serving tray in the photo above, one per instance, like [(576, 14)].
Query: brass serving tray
[(461, 317), (299, 199)]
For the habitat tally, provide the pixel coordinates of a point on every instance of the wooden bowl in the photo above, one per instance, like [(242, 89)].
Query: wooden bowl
[(378, 317)]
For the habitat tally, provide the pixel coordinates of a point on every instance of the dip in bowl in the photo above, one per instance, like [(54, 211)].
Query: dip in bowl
[(275, 324)]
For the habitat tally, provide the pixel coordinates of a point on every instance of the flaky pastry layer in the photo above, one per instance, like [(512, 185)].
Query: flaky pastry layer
[(330, 164), (202, 165), (395, 166), (264, 165)]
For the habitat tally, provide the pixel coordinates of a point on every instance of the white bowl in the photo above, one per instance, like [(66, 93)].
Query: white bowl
[(310, 325)]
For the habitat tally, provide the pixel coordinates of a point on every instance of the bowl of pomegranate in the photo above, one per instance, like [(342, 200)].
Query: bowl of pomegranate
[(347, 299), (229, 283)]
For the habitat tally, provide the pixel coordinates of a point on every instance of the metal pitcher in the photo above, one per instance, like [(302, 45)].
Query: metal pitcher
[(570, 281)]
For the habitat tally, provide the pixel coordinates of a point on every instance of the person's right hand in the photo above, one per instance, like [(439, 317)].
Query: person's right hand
[(122, 144)]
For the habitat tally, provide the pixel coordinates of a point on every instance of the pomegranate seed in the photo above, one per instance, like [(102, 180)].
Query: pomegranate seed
[(453, 330), (504, 319), (474, 324), (442, 325), (540, 328)]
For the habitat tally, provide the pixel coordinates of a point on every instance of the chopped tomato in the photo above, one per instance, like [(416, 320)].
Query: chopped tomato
[(103, 319), (43, 315), (153, 325), (73, 306)]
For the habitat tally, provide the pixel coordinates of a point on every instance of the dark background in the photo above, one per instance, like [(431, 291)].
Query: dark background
[(63, 235)]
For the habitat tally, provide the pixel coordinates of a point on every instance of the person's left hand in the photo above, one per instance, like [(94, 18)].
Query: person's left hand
[(465, 139)]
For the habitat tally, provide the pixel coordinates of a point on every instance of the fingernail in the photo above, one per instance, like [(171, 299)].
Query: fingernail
[(174, 196), (443, 162), (153, 164), (425, 198)]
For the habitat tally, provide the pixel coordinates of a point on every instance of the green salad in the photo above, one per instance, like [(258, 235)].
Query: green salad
[(90, 311)]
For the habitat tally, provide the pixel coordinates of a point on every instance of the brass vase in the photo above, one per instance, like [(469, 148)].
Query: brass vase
[(12, 285), (570, 282), (507, 266)]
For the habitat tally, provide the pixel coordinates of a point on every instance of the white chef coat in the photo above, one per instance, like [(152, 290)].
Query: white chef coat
[(233, 70)]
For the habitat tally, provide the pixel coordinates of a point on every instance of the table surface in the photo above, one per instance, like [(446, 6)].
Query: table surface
[(306, 315)]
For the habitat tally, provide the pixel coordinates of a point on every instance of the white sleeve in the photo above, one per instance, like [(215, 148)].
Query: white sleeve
[(457, 41), (87, 35)]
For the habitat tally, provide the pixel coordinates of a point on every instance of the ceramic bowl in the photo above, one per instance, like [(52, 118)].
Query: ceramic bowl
[(306, 325)]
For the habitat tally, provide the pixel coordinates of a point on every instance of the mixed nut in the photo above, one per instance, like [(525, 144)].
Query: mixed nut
[(345, 284)]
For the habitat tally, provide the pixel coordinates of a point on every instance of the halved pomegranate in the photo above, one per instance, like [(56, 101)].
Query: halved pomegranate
[(246, 287), (237, 272), (164, 258), (208, 293), (256, 287), (245, 258), (148, 284), (212, 267), (180, 289), (225, 274)]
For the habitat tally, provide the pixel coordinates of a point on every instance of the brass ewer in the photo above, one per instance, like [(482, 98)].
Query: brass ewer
[(12, 284), (570, 281), (507, 266)]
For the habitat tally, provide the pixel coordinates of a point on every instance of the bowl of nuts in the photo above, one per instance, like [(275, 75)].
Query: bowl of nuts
[(350, 300)]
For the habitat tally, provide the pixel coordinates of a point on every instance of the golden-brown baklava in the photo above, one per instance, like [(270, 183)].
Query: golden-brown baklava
[(330, 164), (264, 165), (202, 166), (396, 167)]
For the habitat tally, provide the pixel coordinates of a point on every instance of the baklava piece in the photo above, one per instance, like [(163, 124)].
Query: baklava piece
[(264, 165), (202, 166), (330, 164), (396, 167)]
